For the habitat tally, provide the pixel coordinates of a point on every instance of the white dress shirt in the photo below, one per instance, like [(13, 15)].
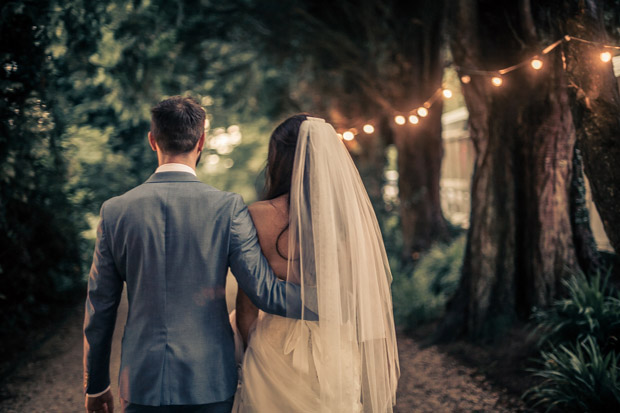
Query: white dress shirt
[(175, 167)]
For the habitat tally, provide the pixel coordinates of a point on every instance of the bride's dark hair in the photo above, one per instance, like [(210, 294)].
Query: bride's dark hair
[(281, 157), (280, 160)]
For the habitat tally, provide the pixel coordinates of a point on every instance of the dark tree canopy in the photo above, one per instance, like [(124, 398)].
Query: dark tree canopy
[(40, 261)]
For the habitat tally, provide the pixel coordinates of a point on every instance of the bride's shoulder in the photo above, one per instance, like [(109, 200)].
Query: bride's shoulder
[(260, 208)]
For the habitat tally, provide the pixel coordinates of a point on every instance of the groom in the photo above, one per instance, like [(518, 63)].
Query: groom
[(172, 240)]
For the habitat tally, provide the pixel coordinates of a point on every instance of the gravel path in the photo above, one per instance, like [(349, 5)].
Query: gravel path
[(51, 381), (434, 382), (431, 381)]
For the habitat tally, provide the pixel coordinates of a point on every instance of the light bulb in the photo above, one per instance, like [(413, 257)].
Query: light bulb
[(348, 136), (497, 81), (537, 63), (400, 120), (422, 112), (413, 119), (605, 57), (368, 128), (465, 79), (447, 93)]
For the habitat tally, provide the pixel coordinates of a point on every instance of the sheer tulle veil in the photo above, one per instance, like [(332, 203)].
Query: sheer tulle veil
[(343, 269)]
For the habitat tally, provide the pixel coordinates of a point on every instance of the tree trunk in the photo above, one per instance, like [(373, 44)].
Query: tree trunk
[(596, 110), (520, 241)]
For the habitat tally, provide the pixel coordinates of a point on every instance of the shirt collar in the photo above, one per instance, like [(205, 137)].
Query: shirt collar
[(175, 167)]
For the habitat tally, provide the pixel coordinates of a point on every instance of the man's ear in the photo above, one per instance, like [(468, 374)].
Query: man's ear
[(152, 142), (201, 142)]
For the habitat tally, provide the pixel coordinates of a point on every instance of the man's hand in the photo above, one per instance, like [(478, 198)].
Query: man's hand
[(100, 404)]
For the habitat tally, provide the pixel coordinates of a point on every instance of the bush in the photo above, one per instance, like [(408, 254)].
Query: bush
[(592, 309), (420, 294), (579, 336), (578, 378)]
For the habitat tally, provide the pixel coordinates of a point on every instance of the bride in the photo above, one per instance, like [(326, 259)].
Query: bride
[(317, 228)]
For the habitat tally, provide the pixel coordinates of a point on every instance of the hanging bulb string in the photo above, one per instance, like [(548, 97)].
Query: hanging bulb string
[(514, 67), (593, 43), (496, 79), (555, 44), (546, 50)]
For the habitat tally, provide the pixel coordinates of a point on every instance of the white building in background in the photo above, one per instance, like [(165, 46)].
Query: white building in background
[(457, 169)]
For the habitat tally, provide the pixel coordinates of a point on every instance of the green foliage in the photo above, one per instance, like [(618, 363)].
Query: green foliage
[(579, 335), (420, 295), (591, 309), (39, 231), (577, 378), (139, 53)]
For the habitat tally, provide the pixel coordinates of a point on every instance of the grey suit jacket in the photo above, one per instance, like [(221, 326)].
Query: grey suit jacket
[(172, 240)]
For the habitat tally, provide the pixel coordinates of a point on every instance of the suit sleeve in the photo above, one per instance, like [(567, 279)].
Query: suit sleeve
[(252, 270), (105, 287)]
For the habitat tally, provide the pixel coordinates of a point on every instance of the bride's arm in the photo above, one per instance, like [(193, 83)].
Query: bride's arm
[(246, 315), (263, 215)]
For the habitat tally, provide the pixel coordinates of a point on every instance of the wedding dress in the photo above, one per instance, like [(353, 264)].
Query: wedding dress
[(347, 361)]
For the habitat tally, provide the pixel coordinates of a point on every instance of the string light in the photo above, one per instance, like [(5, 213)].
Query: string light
[(368, 128), (536, 62), (348, 136), (605, 57)]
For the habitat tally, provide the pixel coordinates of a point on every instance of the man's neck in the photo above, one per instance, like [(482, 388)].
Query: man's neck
[(184, 160)]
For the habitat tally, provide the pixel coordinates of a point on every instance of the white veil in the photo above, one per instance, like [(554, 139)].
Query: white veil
[(343, 269)]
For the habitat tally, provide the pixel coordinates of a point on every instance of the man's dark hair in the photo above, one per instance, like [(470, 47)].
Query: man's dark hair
[(177, 123)]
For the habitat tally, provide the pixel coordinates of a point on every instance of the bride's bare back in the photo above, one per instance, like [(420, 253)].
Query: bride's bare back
[(271, 220)]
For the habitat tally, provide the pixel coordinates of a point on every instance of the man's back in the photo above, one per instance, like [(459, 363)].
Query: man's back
[(169, 238)]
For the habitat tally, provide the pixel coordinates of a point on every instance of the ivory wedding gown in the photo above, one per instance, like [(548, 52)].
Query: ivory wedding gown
[(279, 370)]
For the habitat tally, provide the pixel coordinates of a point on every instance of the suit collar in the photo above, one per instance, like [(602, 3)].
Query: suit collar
[(175, 167), (173, 176)]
